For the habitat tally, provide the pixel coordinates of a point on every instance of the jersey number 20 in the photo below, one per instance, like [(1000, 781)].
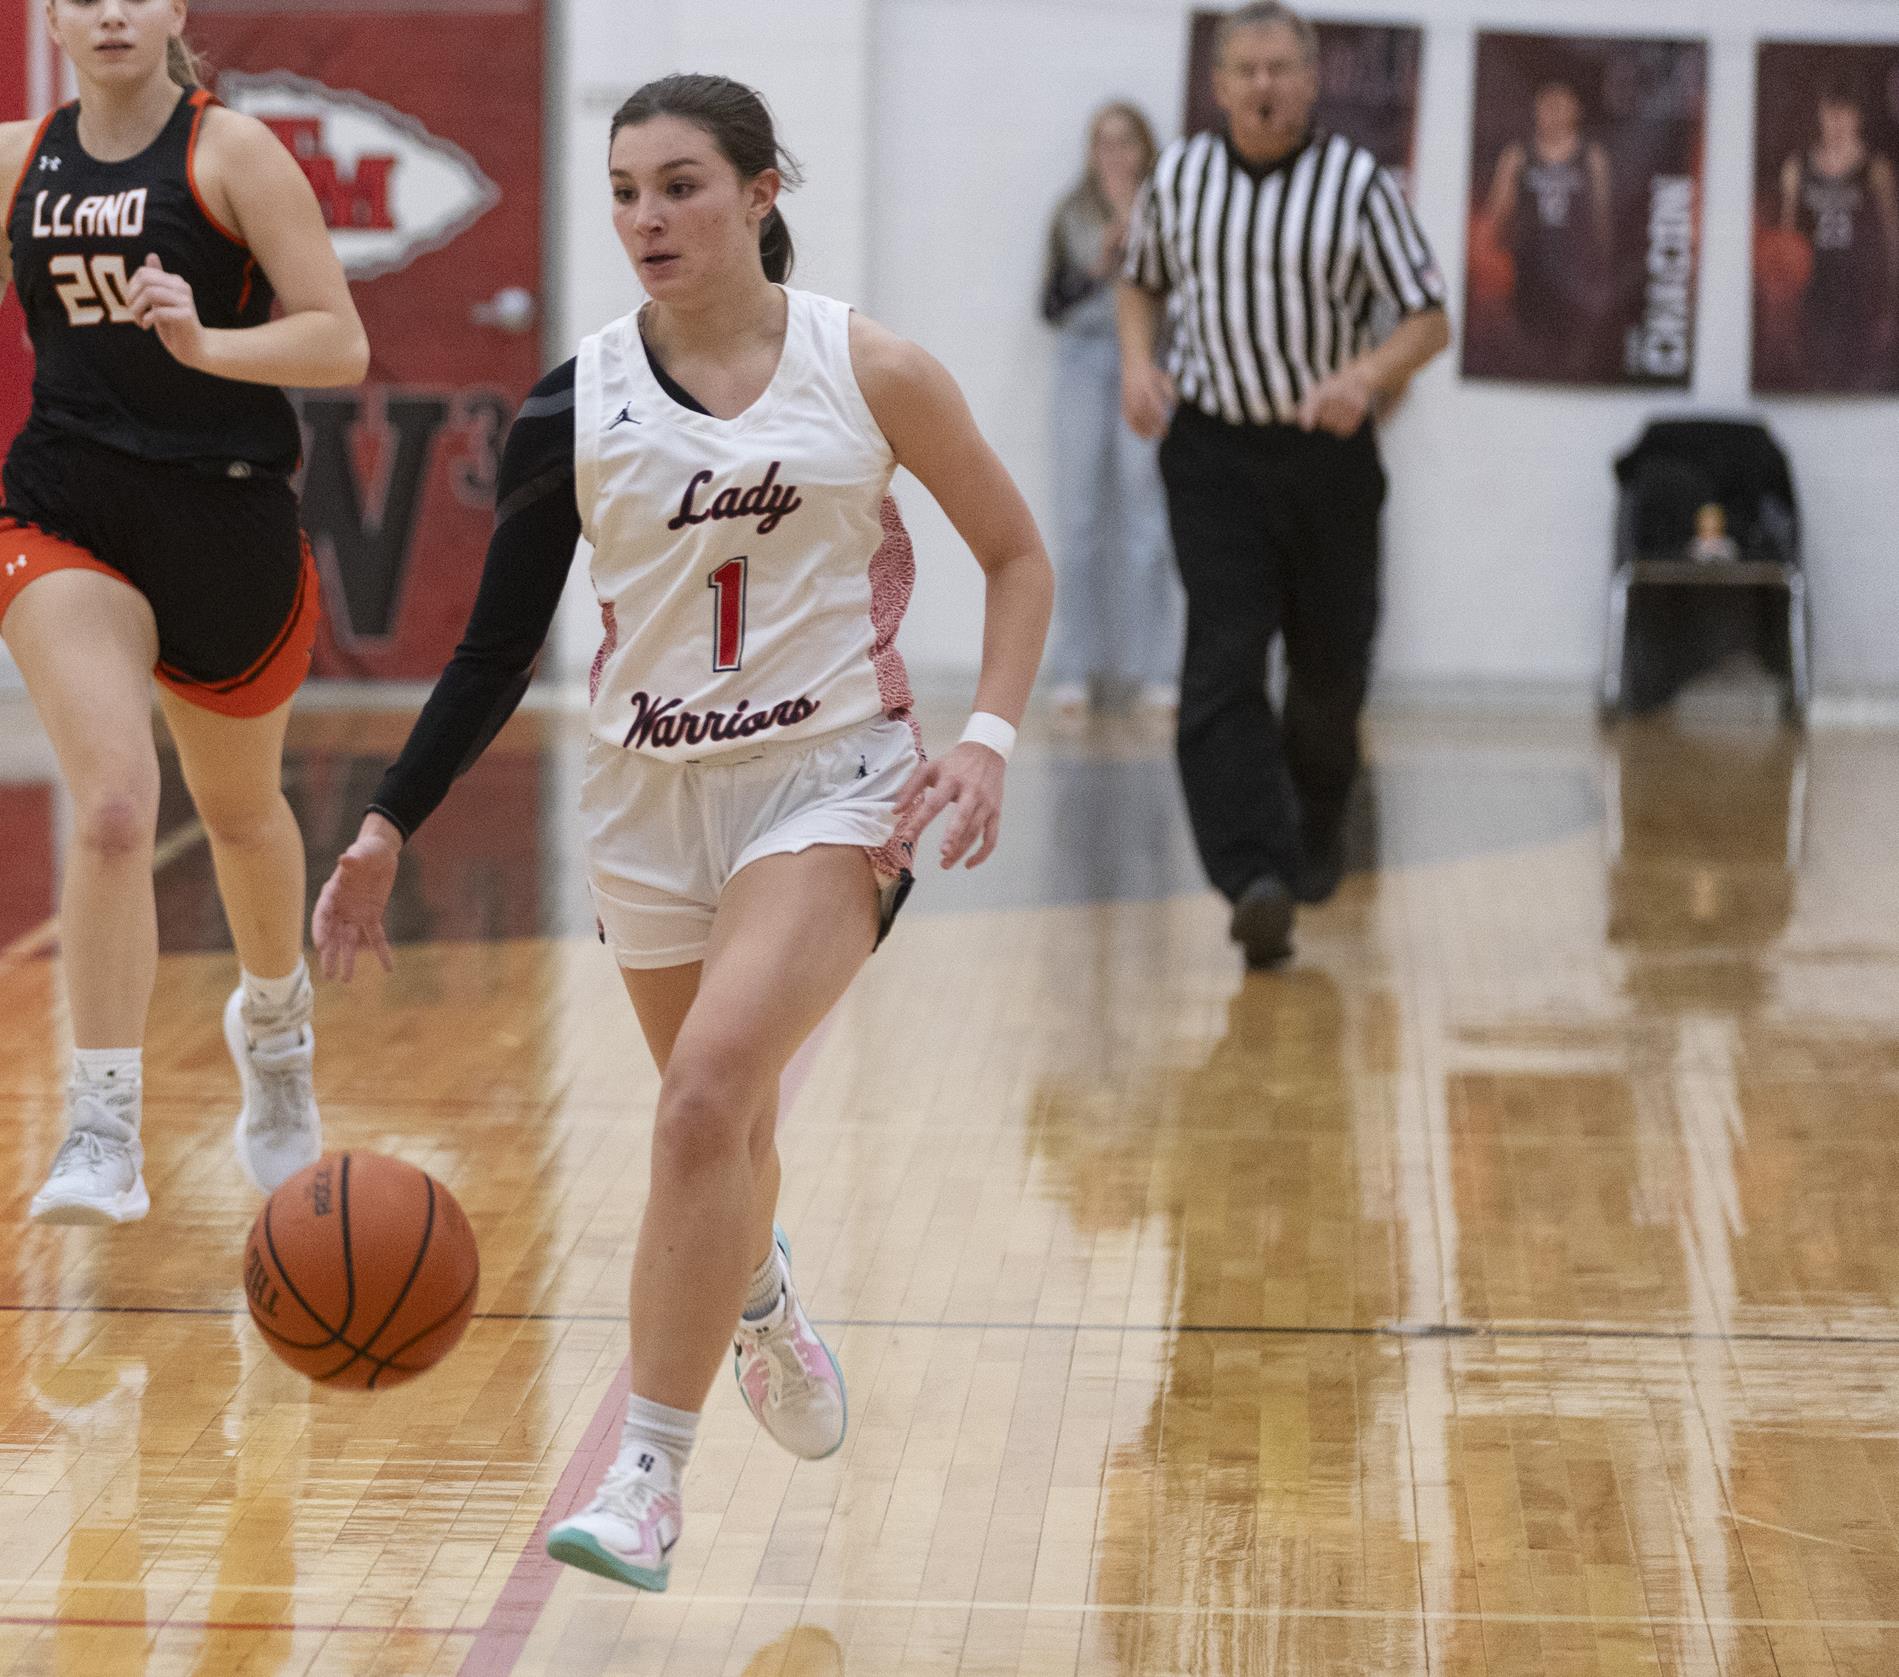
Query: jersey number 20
[(92, 290), (728, 614)]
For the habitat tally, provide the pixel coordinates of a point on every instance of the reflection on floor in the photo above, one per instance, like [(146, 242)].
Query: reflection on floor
[(1508, 1286)]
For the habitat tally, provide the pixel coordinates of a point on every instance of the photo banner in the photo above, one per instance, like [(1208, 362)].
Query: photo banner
[(1368, 85), (1826, 218), (1584, 226)]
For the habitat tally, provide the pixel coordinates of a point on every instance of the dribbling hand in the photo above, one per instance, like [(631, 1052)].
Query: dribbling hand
[(350, 907), (969, 781), (162, 302)]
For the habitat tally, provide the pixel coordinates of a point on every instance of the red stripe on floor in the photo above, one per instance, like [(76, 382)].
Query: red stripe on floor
[(523, 1598)]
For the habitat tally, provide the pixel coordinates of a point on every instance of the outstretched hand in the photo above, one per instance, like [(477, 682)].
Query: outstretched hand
[(349, 909), (967, 781)]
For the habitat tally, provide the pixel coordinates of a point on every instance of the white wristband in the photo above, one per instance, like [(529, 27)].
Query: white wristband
[(987, 728)]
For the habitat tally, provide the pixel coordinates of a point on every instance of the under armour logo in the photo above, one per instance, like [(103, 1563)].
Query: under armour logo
[(49, 162), (18, 564), (646, 1462), (624, 417)]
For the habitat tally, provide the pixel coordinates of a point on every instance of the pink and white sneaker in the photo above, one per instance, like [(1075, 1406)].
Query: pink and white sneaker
[(627, 1532), (791, 1382)]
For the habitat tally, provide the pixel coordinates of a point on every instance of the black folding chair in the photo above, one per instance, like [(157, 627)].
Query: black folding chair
[(1676, 469)]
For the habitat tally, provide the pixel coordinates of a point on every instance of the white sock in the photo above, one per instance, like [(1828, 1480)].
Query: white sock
[(115, 1067), (117, 1073), (659, 1439), (271, 999), (766, 1289)]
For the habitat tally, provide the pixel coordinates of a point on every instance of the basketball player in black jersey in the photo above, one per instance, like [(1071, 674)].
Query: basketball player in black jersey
[(1549, 206), (148, 529), (1840, 196)]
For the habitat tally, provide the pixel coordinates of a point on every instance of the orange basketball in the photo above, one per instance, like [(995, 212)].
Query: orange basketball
[(1783, 264), (1493, 270), (361, 1271)]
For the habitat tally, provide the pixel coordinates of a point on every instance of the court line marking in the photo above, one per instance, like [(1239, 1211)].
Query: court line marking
[(43, 936), (1804, 1536), (903, 1604), (64, 1621), (524, 1596), (1598, 1332), (1182, 1610)]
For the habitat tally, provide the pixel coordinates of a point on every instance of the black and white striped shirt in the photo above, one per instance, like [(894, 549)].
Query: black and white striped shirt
[(1274, 271)]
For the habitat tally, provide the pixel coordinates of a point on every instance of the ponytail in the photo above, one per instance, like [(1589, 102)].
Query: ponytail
[(774, 247), (185, 67)]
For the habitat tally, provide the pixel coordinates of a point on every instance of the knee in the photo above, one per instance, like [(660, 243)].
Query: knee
[(1333, 686), (241, 825), (705, 1122), (117, 819), (1212, 684)]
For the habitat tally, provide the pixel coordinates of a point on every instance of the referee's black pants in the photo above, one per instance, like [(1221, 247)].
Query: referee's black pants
[(1276, 533)]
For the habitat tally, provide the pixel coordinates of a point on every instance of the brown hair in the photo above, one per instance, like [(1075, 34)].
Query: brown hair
[(185, 66), (739, 123), (1087, 191)]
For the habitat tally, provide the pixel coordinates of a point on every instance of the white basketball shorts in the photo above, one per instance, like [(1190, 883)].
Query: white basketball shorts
[(664, 839)]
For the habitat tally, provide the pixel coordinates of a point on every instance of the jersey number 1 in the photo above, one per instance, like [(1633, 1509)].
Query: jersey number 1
[(728, 614), (92, 291)]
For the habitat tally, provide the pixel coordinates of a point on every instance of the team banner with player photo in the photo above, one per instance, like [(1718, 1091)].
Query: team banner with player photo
[(1368, 85), (1826, 218), (1586, 156)]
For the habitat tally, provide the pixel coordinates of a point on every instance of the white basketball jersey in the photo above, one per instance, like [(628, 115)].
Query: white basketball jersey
[(737, 561)]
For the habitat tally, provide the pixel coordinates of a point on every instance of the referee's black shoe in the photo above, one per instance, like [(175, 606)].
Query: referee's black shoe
[(1321, 871), (1262, 922)]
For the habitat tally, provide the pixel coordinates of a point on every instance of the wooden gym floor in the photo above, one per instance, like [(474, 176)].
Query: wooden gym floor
[(1506, 1287)]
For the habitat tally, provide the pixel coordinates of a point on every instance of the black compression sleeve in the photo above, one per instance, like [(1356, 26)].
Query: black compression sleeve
[(537, 524)]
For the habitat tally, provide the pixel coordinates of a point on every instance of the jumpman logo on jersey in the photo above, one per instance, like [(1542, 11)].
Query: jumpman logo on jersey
[(624, 417)]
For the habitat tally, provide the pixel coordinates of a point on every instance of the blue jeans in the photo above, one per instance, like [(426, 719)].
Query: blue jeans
[(1117, 600)]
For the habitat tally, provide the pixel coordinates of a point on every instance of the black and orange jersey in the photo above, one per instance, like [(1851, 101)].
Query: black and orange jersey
[(79, 229)]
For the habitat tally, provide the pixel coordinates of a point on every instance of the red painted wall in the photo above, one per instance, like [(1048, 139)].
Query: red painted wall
[(16, 360)]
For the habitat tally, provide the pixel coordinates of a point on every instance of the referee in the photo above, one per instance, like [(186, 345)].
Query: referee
[(1273, 242)]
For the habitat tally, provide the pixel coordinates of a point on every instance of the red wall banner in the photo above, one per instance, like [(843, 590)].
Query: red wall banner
[(16, 359), (425, 154)]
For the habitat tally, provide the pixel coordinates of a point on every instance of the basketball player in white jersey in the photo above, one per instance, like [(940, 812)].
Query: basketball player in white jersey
[(753, 786)]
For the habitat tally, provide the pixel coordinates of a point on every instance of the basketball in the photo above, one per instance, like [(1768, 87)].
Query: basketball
[(361, 1271), (1493, 270), (1783, 265)]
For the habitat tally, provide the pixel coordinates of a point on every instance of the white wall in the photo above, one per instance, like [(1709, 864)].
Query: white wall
[(938, 132)]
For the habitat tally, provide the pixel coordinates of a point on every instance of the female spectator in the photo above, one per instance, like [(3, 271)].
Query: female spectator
[(1117, 608)]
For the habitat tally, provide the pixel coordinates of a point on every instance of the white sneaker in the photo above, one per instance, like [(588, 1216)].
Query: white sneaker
[(1069, 700), (627, 1532), (277, 1131), (97, 1174), (791, 1382)]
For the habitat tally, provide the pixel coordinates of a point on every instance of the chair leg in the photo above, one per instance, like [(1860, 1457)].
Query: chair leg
[(1615, 640), (1797, 649)]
